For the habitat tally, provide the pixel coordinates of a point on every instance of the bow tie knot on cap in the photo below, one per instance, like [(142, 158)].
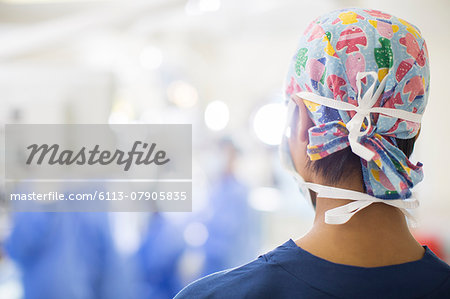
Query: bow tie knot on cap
[(363, 110)]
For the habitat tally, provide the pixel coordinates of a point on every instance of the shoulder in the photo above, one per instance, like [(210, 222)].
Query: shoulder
[(438, 271), (227, 283), (261, 278)]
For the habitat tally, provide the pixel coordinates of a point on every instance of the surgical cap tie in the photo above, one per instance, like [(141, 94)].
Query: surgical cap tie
[(363, 110)]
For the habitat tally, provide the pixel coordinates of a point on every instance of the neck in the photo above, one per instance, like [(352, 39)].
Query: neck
[(375, 236)]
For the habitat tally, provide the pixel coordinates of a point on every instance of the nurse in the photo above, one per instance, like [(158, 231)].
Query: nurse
[(356, 89)]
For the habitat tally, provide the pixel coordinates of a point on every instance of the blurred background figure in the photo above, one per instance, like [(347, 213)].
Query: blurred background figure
[(218, 65), (232, 227), (66, 255), (157, 259)]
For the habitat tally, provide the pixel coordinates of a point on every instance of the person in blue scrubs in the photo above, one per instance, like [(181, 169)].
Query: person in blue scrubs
[(157, 259), (232, 227), (357, 87), (66, 255)]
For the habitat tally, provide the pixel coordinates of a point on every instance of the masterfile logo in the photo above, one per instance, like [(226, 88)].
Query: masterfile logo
[(95, 156), (99, 151)]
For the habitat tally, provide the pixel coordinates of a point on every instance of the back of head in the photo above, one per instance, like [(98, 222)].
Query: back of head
[(376, 63)]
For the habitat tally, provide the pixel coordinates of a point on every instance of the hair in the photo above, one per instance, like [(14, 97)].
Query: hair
[(343, 163)]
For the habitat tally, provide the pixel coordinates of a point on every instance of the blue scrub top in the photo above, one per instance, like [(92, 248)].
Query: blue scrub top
[(291, 272)]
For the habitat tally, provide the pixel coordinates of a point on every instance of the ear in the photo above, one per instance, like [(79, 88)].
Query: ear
[(304, 121)]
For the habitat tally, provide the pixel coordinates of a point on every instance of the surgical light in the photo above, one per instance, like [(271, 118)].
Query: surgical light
[(182, 94), (217, 115), (269, 122)]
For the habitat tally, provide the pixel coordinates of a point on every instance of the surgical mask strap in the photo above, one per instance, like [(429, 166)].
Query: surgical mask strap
[(344, 213), (285, 153)]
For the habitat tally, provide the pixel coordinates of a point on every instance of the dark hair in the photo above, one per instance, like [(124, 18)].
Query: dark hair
[(344, 162)]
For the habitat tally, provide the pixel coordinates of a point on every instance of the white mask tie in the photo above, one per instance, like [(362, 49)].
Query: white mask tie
[(343, 213)]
